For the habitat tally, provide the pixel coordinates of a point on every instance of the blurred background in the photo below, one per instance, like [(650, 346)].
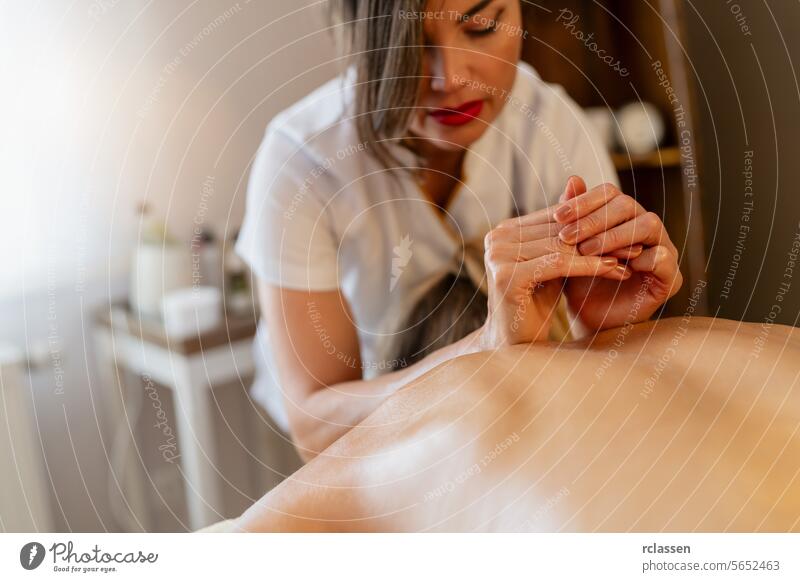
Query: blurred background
[(129, 127)]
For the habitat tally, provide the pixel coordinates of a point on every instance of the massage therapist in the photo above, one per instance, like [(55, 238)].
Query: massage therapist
[(437, 145)]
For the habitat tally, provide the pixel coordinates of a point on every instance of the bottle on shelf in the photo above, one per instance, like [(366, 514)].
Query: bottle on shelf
[(159, 265)]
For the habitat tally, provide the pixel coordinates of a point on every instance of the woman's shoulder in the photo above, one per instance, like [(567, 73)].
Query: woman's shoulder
[(313, 128), (538, 104)]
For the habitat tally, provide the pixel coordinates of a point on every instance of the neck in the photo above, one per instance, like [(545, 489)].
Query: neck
[(433, 157), (440, 170)]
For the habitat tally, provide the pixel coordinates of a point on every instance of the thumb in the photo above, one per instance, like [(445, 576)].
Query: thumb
[(575, 187)]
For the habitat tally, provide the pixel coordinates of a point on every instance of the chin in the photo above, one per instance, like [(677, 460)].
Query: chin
[(456, 137)]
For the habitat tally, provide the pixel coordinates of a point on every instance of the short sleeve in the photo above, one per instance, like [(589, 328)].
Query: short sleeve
[(285, 237)]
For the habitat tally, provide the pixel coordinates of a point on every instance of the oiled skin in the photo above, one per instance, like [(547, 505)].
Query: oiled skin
[(575, 441)]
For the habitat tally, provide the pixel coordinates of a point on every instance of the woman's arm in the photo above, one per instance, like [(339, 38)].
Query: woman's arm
[(316, 345), (319, 365)]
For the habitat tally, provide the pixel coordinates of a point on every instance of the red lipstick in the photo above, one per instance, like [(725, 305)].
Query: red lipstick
[(460, 115)]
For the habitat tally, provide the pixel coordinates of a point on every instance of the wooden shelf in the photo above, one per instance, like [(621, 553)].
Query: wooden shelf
[(663, 158), (231, 329)]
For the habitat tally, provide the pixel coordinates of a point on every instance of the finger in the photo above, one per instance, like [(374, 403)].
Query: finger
[(529, 250), (575, 187), (627, 253), (535, 232), (519, 252), (556, 265), (619, 273), (619, 210), (662, 263), (586, 203), (645, 229), (541, 216), (511, 238)]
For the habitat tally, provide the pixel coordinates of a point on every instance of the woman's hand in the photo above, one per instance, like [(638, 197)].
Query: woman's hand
[(526, 263), (605, 221)]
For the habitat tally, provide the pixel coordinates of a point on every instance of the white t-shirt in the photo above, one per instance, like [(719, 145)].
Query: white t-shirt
[(323, 214)]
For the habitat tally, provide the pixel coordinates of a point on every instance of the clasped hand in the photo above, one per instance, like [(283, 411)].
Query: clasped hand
[(612, 259)]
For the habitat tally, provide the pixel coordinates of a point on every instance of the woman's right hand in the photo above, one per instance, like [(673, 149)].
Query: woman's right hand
[(526, 263)]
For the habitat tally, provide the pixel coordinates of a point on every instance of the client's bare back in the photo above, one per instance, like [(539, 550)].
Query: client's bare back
[(669, 425)]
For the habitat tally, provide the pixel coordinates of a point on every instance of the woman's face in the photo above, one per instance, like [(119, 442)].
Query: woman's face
[(469, 67)]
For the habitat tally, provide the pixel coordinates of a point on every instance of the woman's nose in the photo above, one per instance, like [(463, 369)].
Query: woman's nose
[(447, 68)]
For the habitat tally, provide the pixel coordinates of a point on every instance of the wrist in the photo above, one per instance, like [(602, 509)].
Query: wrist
[(483, 338), (493, 335), (578, 329), (490, 337)]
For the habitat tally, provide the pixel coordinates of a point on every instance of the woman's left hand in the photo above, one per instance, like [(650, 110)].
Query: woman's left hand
[(604, 221)]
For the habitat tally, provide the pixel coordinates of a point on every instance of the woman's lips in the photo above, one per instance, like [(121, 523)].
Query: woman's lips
[(460, 115)]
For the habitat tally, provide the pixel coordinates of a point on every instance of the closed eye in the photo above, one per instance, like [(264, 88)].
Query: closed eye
[(494, 24)]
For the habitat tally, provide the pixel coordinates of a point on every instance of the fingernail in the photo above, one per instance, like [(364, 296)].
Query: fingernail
[(609, 261), (590, 246), (622, 271), (564, 213), (569, 232)]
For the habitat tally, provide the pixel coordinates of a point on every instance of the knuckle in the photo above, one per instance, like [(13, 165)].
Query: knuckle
[(503, 275), (612, 238), (493, 254), (590, 223), (627, 204), (554, 260), (494, 238), (610, 189), (651, 220), (557, 245), (675, 285), (507, 223)]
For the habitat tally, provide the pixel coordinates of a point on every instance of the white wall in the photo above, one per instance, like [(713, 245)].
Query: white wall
[(107, 103)]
